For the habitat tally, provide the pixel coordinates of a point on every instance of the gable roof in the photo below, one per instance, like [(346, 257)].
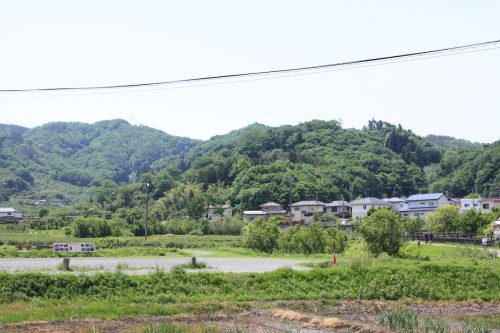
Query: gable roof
[(271, 203), (337, 204), (426, 196), (308, 203), (8, 210), (369, 201)]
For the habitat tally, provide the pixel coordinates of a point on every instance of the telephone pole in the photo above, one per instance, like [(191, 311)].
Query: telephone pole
[(146, 187), (290, 199)]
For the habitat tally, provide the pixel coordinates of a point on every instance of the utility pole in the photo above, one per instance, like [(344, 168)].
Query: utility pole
[(343, 209), (147, 187), (290, 199)]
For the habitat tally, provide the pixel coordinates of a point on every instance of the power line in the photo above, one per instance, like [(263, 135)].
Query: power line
[(284, 72)]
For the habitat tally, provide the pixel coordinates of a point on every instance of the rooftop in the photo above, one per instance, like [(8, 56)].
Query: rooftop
[(308, 203), (8, 210), (271, 203), (426, 196), (337, 204), (369, 201), (393, 200), (254, 212)]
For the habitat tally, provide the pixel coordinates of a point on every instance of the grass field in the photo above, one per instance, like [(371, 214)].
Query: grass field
[(422, 272)]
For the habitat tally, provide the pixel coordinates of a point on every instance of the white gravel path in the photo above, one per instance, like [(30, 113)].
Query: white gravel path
[(139, 266)]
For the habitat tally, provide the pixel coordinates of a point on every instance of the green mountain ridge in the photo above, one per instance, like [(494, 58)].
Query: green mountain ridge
[(246, 167)]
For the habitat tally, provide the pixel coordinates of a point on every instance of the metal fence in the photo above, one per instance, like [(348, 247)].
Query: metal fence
[(451, 237)]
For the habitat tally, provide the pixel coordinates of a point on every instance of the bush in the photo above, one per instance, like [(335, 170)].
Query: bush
[(91, 227), (226, 226), (383, 232), (263, 235)]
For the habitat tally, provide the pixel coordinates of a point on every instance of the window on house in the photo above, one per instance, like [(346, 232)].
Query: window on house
[(334, 209), (405, 214), (9, 213), (486, 206), (475, 205), (431, 203), (364, 206), (297, 208), (466, 205), (422, 203)]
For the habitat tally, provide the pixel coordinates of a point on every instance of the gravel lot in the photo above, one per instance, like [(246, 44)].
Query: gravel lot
[(140, 266)]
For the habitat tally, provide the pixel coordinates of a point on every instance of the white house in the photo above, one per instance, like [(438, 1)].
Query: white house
[(338, 208), (396, 203), (9, 214), (217, 212), (303, 211), (273, 209), (466, 204), (268, 209), (420, 205), (487, 204), (361, 207)]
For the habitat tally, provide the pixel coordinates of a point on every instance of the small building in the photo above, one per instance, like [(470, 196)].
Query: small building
[(268, 210), (487, 204), (420, 205), (338, 208), (11, 215), (466, 204), (217, 212), (361, 207), (251, 215), (396, 203), (303, 211), (42, 202)]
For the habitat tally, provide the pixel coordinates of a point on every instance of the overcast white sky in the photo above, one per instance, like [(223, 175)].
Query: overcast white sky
[(76, 43)]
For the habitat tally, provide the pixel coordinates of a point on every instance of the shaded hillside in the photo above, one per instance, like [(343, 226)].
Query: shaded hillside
[(463, 171), (55, 155)]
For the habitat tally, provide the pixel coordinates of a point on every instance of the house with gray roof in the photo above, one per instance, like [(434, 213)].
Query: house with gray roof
[(11, 215), (361, 207), (268, 209), (338, 208), (420, 205), (303, 211)]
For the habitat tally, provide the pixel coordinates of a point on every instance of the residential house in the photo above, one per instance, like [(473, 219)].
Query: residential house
[(361, 207), (11, 215), (396, 203), (466, 204), (338, 208), (217, 212), (420, 205), (267, 210), (303, 211), (251, 215), (487, 204)]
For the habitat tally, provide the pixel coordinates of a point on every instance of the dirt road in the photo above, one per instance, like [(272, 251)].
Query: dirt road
[(140, 266)]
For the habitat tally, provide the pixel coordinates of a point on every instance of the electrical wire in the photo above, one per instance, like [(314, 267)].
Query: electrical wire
[(284, 72)]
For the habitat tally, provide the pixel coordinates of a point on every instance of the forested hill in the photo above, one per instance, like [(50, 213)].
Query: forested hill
[(323, 160), (246, 167), (59, 159)]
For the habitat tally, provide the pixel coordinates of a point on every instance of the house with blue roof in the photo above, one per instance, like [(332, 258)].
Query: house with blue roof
[(420, 205)]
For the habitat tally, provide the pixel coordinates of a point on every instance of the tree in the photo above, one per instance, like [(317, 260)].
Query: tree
[(263, 235), (383, 232), (473, 221), (444, 219)]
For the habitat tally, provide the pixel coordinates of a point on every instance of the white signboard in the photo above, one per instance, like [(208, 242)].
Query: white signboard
[(74, 247)]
